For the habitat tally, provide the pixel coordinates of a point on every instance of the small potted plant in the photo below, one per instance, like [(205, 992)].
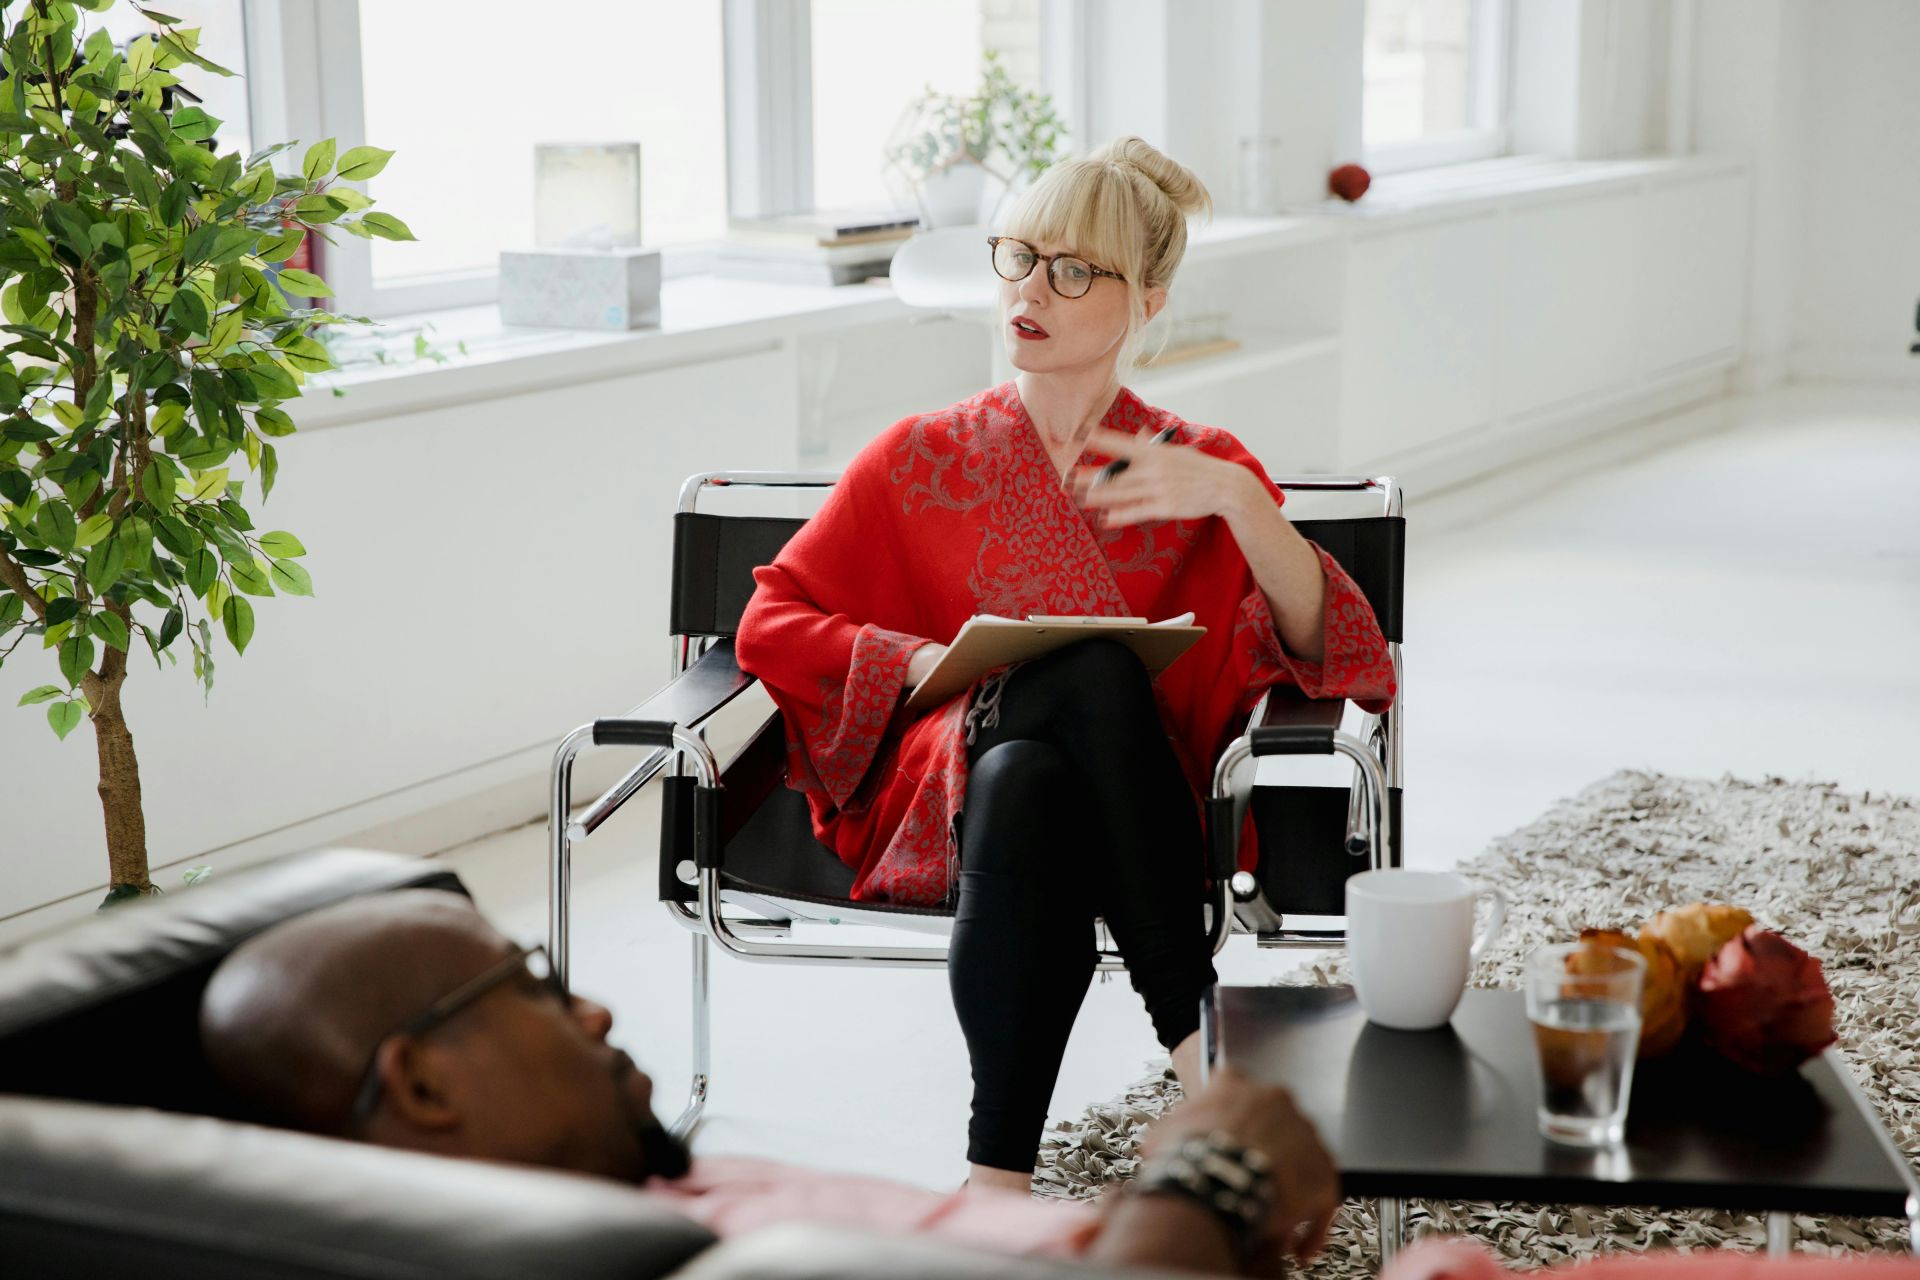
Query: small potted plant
[(947, 146)]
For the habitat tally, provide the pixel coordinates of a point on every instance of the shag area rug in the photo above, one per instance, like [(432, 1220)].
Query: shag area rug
[(1837, 873)]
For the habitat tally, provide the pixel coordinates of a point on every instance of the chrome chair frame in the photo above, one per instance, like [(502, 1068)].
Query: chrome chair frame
[(675, 738)]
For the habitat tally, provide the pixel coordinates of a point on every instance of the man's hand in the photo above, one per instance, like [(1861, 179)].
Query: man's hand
[(1161, 482), (924, 659), (1306, 1186)]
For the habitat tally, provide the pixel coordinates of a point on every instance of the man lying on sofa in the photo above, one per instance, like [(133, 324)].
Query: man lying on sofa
[(406, 1020)]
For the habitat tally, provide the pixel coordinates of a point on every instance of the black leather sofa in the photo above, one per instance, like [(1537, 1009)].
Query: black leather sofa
[(119, 1155)]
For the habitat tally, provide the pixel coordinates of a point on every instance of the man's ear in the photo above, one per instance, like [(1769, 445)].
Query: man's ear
[(416, 1085)]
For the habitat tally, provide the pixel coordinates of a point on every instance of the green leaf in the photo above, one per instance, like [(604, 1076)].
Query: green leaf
[(188, 310), (64, 717), (104, 564), (45, 693), (292, 578), (303, 284), (140, 179), (251, 577), (76, 656), (210, 484), (236, 618), (174, 201), (319, 160), (226, 330), (280, 246), (306, 354), (269, 470), (272, 421), (168, 418), (193, 124), (55, 525), (170, 627), (93, 528), (202, 568), (174, 535), (386, 226), (361, 163), (232, 243), (61, 609), (110, 628), (280, 544), (156, 483), (318, 208), (11, 609)]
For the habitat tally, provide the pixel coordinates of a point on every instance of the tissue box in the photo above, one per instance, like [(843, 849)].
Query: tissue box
[(580, 288)]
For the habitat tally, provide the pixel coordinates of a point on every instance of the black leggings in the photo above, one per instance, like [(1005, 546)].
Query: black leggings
[(1076, 808)]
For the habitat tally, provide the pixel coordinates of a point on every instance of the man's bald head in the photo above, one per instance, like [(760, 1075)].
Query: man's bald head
[(517, 1069), (292, 1017)]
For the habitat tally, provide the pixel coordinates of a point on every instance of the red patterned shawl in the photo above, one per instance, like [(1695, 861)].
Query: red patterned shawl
[(959, 512)]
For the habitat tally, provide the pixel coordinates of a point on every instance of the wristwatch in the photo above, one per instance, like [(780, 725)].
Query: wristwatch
[(1233, 1182)]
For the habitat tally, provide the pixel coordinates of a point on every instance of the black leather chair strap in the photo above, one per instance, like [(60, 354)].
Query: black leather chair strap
[(713, 562), (1292, 740)]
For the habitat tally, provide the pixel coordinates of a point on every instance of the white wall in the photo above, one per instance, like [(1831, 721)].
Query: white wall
[(1820, 96), (1861, 244)]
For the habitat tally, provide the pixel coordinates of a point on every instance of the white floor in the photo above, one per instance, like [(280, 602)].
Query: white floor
[(1746, 603)]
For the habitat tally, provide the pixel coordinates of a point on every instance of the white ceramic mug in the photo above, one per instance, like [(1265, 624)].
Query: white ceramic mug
[(1410, 943)]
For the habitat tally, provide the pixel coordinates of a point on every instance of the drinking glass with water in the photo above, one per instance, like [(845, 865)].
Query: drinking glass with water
[(1584, 1003)]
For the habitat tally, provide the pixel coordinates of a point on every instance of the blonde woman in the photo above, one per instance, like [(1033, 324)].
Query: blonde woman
[(1066, 789)]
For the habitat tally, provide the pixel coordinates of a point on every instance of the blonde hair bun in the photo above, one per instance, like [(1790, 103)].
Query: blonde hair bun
[(1175, 180)]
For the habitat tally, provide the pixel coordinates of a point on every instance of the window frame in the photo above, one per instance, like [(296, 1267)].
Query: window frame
[(305, 83), (1491, 37)]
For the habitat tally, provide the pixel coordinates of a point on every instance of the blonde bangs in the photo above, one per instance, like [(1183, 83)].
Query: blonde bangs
[(1091, 209)]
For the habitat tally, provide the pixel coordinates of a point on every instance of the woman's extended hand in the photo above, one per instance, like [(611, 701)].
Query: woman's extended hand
[(1161, 482), (924, 659)]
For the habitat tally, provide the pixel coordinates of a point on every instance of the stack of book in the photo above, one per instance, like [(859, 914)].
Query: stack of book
[(825, 248)]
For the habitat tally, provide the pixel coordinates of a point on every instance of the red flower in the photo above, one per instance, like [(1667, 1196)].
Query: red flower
[(1764, 1004)]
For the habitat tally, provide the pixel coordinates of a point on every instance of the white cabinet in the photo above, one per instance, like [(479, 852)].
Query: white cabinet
[(1419, 336), (1568, 292), (1692, 272), (1485, 327)]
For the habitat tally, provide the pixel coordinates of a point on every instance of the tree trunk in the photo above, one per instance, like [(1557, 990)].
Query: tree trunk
[(119, 778)]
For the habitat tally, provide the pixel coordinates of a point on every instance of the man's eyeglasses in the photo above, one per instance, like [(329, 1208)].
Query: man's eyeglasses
[(1070, 277), (523, 962)]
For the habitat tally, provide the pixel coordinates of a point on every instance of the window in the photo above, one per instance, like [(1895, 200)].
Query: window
[(741, 108), (463, 115), (1434, 82), (861, 86)]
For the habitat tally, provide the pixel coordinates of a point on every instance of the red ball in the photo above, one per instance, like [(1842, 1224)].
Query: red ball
[(1349, 182)]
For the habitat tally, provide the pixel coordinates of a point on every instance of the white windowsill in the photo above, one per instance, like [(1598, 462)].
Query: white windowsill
[(705, 317), (1449, 190)]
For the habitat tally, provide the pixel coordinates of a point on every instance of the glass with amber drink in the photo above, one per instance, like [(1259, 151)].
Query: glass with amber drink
[(1583, 1000)]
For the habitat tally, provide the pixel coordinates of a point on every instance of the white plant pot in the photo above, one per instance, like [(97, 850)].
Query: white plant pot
[(952, 196)]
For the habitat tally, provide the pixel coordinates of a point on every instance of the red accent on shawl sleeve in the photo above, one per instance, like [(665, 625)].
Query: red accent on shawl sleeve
[(1354, 662), (836, 681), (856, 676)]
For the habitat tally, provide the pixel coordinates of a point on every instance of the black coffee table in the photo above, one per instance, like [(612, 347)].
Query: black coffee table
[(1451, 1114)]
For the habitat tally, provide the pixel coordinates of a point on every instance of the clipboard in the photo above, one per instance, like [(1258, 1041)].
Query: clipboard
[(986, 642)]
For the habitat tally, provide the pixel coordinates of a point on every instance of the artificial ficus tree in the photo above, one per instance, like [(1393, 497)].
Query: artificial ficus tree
[(150, 347)]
